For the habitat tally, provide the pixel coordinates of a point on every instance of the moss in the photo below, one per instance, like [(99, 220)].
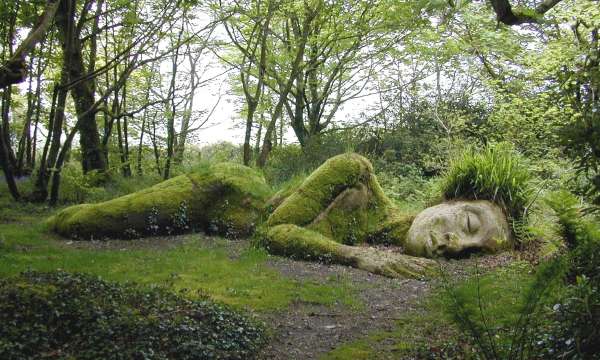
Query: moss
[(392, 231), (301, 243), (284, 192), (342, 200), (321, 188), (226, 199)]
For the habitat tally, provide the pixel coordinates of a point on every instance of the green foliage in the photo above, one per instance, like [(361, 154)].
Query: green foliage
[(497, 173), (576, 317), (406, 185), (221, 152), (77, 187), (288, 161), (63, 315), (504, 330), (566, 206)]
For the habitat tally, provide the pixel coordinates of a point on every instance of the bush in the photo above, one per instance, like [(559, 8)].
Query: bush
[(497, 173), (77, 187), (62, 315), (576, 327), (501, 314), (288, 161)]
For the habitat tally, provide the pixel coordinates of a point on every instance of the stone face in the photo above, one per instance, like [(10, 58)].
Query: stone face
[(454, 228)]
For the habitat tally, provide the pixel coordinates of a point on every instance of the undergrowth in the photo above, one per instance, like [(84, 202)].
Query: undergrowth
[(63, 315)]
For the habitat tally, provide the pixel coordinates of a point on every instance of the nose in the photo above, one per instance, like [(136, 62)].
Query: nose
[(447, 244)]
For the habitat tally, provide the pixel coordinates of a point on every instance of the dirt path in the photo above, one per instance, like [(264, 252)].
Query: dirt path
[(305, 331)]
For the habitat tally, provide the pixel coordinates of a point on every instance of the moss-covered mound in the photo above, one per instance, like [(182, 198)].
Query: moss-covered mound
[(301, 243), (72, 316), (342, 200), (226, 199)]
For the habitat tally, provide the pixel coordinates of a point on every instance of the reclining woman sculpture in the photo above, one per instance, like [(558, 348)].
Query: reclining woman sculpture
[(330, 217), (341, 205)]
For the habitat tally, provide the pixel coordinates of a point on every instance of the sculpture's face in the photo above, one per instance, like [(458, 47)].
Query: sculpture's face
[(454, 228)]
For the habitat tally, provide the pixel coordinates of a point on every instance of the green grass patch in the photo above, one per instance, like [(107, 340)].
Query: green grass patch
[(241, 281)]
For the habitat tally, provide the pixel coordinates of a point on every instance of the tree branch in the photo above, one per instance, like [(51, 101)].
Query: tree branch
[(14, 70), (506, 15)]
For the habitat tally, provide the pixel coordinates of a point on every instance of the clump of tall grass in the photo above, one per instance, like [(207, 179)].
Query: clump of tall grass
[(497, 173)]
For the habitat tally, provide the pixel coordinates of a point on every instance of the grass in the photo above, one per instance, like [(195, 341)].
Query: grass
[(429, 330), (244, 281)]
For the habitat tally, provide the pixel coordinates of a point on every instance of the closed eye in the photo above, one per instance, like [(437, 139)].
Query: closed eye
[(473, 223)]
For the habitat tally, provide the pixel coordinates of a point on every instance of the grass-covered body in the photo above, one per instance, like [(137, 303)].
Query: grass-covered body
[(342, 204), (226, 199), (301, 243), (343, 201)]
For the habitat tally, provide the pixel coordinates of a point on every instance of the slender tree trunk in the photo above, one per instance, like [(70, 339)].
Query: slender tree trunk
[(56, 175), (144, 117), (140, 146), (40, 192), (25, 141), (248, 135), (6, 101), (6, 167), (173, 105), (187, 116), (155, 147), (268, 139), (258, 137)]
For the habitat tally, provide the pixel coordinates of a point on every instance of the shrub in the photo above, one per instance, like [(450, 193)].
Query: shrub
[(497, 173), (491, 321), (577, 315), (77, 187), (62, 315)]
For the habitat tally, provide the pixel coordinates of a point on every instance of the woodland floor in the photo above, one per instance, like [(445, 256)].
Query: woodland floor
[(307, 330)]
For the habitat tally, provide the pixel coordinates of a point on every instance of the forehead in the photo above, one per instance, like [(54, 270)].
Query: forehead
[(456, 207)]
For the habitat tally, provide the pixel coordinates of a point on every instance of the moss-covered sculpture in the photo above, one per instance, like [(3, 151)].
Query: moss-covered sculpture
[(343, 200), (458, 227), (226, 199), (341, 204), (301, 243)]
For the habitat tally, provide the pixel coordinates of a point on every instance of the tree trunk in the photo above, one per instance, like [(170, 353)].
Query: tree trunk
[(173, 107), (155, 147), (248, 135), (6, 167), (258, 137), (23, 153), (82, 91)]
